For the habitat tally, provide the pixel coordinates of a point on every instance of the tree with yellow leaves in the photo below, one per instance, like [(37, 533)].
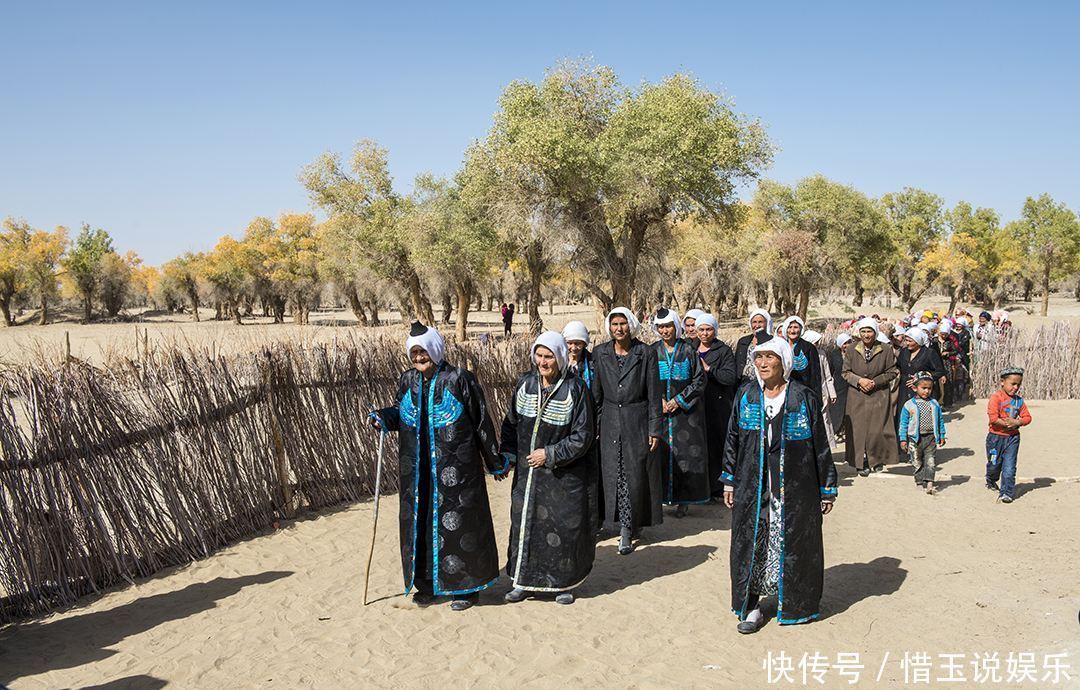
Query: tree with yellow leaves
[(44, 253), (14, 239)]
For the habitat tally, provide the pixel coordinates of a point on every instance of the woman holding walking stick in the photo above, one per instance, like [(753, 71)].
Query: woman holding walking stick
[(447, 440)]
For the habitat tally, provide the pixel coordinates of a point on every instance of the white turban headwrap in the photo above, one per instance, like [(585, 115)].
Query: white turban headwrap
[(694, 314), (576, 330), (919, 336), (811, 337), (767, 316), (554, 341), (843, 339), (669, 316), (707, 320), (635, 325), (780, 348), (427, 339), (870, 323)]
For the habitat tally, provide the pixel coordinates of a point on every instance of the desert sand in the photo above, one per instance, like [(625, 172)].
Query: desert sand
[(955, 573)]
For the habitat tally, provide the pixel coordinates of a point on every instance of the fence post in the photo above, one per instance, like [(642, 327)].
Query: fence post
[(281, 463), (67, 348)]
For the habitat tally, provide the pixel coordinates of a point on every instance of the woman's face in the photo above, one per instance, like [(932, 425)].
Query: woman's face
[(867, 336), (688, 327), (706, 333), (910, 344), (574, 348), (794, 330), (666, 331), (545, 362), (620, 327), (758, 323), (845, 346), (421, 361), (769, 366)]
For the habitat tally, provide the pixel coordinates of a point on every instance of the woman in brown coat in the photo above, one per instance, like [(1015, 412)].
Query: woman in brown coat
[(869, 369)]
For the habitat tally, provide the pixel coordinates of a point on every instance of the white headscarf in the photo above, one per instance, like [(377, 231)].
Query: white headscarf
[(635, 325), (768, 319), (946, 327), (882, 338), (811, 337), (781, 348), (790, 320), (870, 323), (843, 339), (919, 336), (707, 320), (669, 316), (428, 339), (554, 341), (962, 321), (900, 330), (576, 330), (694, 314)]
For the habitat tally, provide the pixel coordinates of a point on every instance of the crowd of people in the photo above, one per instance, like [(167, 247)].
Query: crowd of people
[(600, 440)]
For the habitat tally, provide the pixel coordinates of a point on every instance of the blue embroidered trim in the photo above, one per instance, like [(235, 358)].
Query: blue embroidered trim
[(800, 362), (750, 415), (588, 374), (682, 402), (416, 483), (454, 592), (665, 375), (783, 510), (434, 482), (828, 491), (797, 425), (407, 410), (678, 371), (757, 509), (727, 478), (505, 468), (447, 411), (782, 621)]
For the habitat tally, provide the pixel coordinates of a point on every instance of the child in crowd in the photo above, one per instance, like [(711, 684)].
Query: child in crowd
[(1007, 413), (922, 430)]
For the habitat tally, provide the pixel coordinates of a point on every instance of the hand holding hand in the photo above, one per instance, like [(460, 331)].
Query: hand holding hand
[(826, 507), (729, 496)]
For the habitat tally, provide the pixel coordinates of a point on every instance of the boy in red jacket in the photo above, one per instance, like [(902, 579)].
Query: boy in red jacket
[(1007, 413)]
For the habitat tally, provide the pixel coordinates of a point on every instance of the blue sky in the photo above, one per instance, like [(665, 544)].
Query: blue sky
[(170, 125)]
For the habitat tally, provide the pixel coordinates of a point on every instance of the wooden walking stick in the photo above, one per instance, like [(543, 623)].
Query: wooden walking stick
[(375, 522)]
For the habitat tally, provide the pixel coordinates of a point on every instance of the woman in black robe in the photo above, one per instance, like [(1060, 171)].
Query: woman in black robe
[(580, 363), (447, 441), (547, 434), (721, 378), (682, 452), (915, 356), (780, 482), (836, 364), (760, 332), (805, 364), (628, 396)]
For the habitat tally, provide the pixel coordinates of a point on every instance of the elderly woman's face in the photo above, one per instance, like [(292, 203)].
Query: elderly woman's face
[(769, 366), (545, 362), (706, 333), (910, 343), (867, 335), (758, 323), (421, 361), (574, 348), (666, 331), (688, 327), (794, 330)]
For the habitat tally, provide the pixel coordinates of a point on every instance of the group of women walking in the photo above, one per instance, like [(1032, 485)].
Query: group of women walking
[(606, 438)]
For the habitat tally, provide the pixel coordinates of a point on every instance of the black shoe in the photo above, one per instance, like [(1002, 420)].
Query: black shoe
[(864, 472), (680, 512), (565, 598), (462, 604), (748, 628), (993, 486), (877, 468), (423, 599), (515, 595)]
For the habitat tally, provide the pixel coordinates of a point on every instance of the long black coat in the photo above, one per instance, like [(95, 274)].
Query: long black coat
[(629, 403), (586, 371), (803, 474), (720, 383), (552, 543), (806, 366), (742, 350), (447, 440), (838, 409), (682, 452)]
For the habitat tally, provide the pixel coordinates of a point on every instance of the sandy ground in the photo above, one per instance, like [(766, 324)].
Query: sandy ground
[(101, 342), (955, 573)]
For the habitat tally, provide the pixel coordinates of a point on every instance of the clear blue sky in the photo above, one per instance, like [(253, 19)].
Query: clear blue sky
[(170, 126)]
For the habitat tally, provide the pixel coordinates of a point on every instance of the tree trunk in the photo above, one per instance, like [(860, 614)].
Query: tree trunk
[(421, 306), (235, 307), (1046, 289), (5, 310), (447, 306), (373, 307), (859, 291), (804, 303), (88, 308), (1029, 286), (44, 310), (193, 297), (463, 303), (356, 305)]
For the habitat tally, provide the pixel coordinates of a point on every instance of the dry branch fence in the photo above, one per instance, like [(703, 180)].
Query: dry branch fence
[(111, 474)]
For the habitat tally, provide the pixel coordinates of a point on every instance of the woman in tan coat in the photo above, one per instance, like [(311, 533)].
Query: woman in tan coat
[(869, 370)]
